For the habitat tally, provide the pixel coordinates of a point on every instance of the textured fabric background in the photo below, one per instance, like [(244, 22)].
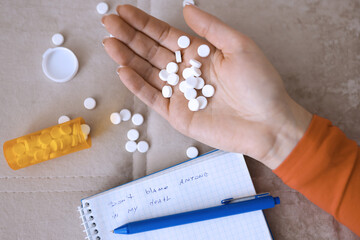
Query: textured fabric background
[(313, 43)]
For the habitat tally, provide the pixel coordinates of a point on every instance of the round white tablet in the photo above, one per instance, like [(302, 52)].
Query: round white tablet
[(203, 50), (202, 101), (125, 115), (195, 63), (142, 146), (57, 39), (172, 67), (102, 8), (89, 103), (192, 152), (133, 134), (163, 75), (137, 119), (187, 72), (183, 42), (208, 90), (191, 82), (85, 129), (130, 146), (183, 86), (194, 105), (190, 93), (115, 118), (197, 71), (167, 91), (173, 79), (63, 119), (200, 83)]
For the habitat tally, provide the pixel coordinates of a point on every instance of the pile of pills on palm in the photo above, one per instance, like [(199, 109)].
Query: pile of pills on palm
[(133, 134), (193, 83)]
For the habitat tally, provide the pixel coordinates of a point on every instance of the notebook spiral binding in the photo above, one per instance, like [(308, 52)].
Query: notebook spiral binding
[(88, 222)]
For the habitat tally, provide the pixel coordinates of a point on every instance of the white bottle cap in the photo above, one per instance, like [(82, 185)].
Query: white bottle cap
[(60, 64)]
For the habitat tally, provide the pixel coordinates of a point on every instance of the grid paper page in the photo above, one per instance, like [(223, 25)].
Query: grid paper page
[(196, 184)]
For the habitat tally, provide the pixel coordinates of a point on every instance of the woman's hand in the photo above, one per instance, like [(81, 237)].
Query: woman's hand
[(250, 113)]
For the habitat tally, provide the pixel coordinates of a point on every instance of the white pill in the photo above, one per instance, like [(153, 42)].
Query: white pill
[(208, 90), (115, 118), (178, 56), (200, 83), (203, 50), (187, 72), (125, 115), (194, 105), (63, 119), (172, 67), (57, 39), (191, 82), (89, 103), (195, 63), (202, 101), (183, 86), (183, 42), (167, 91), (85, 129), (130, 146), (190, 93), (142, 146), (173, 79), (192, 152), (163, 75), (133, 134), (137, 119), (102, 8), (196, 71)]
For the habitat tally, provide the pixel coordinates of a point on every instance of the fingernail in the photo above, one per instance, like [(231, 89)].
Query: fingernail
[(188, 2), (103, 41), (103, 20), (118, 69)]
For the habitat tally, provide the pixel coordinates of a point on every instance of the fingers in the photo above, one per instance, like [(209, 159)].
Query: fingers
[(156, 29), (214, 30), (124, 56), (144, 91), (140, 43)]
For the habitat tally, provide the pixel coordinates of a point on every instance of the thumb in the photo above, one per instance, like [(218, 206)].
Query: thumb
[(213, 29)]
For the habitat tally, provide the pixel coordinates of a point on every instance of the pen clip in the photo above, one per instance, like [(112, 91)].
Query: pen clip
[(241, 199)]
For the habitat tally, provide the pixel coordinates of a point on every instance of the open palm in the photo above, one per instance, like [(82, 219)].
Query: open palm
[(250, 106)]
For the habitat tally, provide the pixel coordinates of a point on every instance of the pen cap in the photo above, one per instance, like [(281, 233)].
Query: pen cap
[(46, 144)]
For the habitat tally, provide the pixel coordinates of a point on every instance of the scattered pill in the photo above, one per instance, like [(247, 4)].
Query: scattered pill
[(89, 103), (63, 119), (167, 91), (192, 152), (195, 63), (187, 72), (202, 101), (172, 67), (125, 115), (163, 75), (194, 105), (173, 79), (190, 93), (203, 50), (133, 134), (115, 118), (130, 146), (85, 129), (191, 82), (137, 119), (208, 90), (142, 146), (102, 8), (183, 42), (178, 56), (183, 86), (57, 39), (200, 83), (196, 71)]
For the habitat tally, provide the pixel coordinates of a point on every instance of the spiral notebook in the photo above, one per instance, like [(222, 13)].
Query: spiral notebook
[(195, 184)]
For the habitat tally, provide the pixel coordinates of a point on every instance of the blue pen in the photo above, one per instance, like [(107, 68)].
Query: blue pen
[(230, 206)]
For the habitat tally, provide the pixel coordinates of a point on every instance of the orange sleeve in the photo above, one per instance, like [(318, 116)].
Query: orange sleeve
[(325, 167)]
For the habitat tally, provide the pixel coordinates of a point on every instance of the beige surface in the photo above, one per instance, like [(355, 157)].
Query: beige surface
[(313, 44)]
